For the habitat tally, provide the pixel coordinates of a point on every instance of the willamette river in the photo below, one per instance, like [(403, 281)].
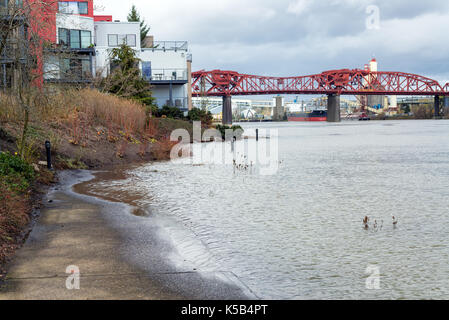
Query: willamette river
[(298, 233)]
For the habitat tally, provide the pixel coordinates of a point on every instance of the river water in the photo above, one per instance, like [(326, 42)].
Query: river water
[(298, 233)]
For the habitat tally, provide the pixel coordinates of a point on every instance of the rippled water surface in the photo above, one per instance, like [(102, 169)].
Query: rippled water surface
[(298, 234)]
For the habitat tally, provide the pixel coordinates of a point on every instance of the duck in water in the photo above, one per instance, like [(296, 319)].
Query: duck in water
[(395, 221), (365, 222)]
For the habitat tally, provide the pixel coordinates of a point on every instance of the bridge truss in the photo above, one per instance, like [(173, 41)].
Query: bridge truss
[(340, 82)]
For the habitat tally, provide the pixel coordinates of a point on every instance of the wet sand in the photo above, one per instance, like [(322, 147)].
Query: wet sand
[(75, 229)]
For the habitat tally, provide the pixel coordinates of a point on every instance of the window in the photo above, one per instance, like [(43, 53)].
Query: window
[(73, 7), (115, 40), (5, 3), (146, 70), (82, 8), (64, 37), (85, 39), (75, 68), (112, 40), (75, 39), (131, 40), (121, 39)]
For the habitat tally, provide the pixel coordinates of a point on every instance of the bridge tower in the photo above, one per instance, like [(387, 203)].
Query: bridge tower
[(333, 108)]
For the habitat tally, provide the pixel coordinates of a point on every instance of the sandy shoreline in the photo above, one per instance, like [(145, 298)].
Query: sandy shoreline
[(88, 232)]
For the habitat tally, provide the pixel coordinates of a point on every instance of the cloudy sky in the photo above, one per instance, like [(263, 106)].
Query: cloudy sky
[(299, 37)]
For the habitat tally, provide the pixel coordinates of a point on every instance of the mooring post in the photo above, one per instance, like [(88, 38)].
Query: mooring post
[(48, 149), (257, 134)]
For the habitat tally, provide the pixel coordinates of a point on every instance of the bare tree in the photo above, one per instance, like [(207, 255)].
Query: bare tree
[(25, 32)]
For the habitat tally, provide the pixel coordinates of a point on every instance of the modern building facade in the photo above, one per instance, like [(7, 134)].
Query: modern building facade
[(82, 46)]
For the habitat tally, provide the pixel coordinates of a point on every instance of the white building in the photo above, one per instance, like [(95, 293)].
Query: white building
[(167, 66), (241, 108), (109, 35)]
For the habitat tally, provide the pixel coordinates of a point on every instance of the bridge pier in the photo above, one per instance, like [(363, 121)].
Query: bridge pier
[(437, 107), (227, 110), (333, 108), (446, 102), (278, 111)]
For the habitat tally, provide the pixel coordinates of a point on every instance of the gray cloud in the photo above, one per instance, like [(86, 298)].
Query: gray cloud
[(296, 37)]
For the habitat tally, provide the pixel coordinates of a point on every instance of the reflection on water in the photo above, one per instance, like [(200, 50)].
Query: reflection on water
[(299, 233)]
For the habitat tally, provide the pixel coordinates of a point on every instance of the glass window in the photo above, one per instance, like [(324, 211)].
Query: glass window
[(64, 68), (85, 39), (64, 37), (73, 7), (131, 40), (63, 7), (112, 40), (82, 8), (121, 39), (146, 70), (5, 3), (85, 68), (75, 41)]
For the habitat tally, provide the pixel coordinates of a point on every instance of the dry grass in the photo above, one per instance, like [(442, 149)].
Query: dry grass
[(14, 217), (81, 108), (91, 128)]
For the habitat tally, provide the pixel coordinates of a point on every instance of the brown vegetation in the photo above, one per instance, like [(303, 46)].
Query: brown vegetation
[(89, 127)]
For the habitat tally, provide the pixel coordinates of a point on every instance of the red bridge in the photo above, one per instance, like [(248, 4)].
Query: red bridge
[(332, 83)]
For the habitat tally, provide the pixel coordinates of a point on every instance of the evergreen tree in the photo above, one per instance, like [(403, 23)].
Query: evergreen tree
[(126, 79), (134, 16)]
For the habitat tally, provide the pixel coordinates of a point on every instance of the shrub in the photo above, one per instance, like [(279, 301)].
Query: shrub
[(204, 116), (223, 128), (169, 112), (15, 172)]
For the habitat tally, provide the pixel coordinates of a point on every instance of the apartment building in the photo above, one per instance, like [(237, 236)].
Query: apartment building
[(83, 42)]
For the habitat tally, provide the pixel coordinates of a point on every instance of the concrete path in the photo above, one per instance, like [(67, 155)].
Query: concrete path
[(71, 231)]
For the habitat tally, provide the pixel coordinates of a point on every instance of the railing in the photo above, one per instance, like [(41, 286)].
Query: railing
[(166, 75), (169, 45), (179, 102)]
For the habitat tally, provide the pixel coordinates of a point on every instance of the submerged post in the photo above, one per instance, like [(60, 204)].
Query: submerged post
[(227, 110), (48, 149), (333, 108)]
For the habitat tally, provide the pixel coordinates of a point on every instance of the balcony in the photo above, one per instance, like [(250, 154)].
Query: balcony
[(179, 102), (69, 69), (168, 46), (165, 76)]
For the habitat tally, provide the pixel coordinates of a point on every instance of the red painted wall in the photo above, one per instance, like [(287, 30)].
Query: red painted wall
[(103, 18), (49, 17)]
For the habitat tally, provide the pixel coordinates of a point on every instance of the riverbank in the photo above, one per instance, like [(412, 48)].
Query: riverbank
[(74, 230), (87, 130)]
